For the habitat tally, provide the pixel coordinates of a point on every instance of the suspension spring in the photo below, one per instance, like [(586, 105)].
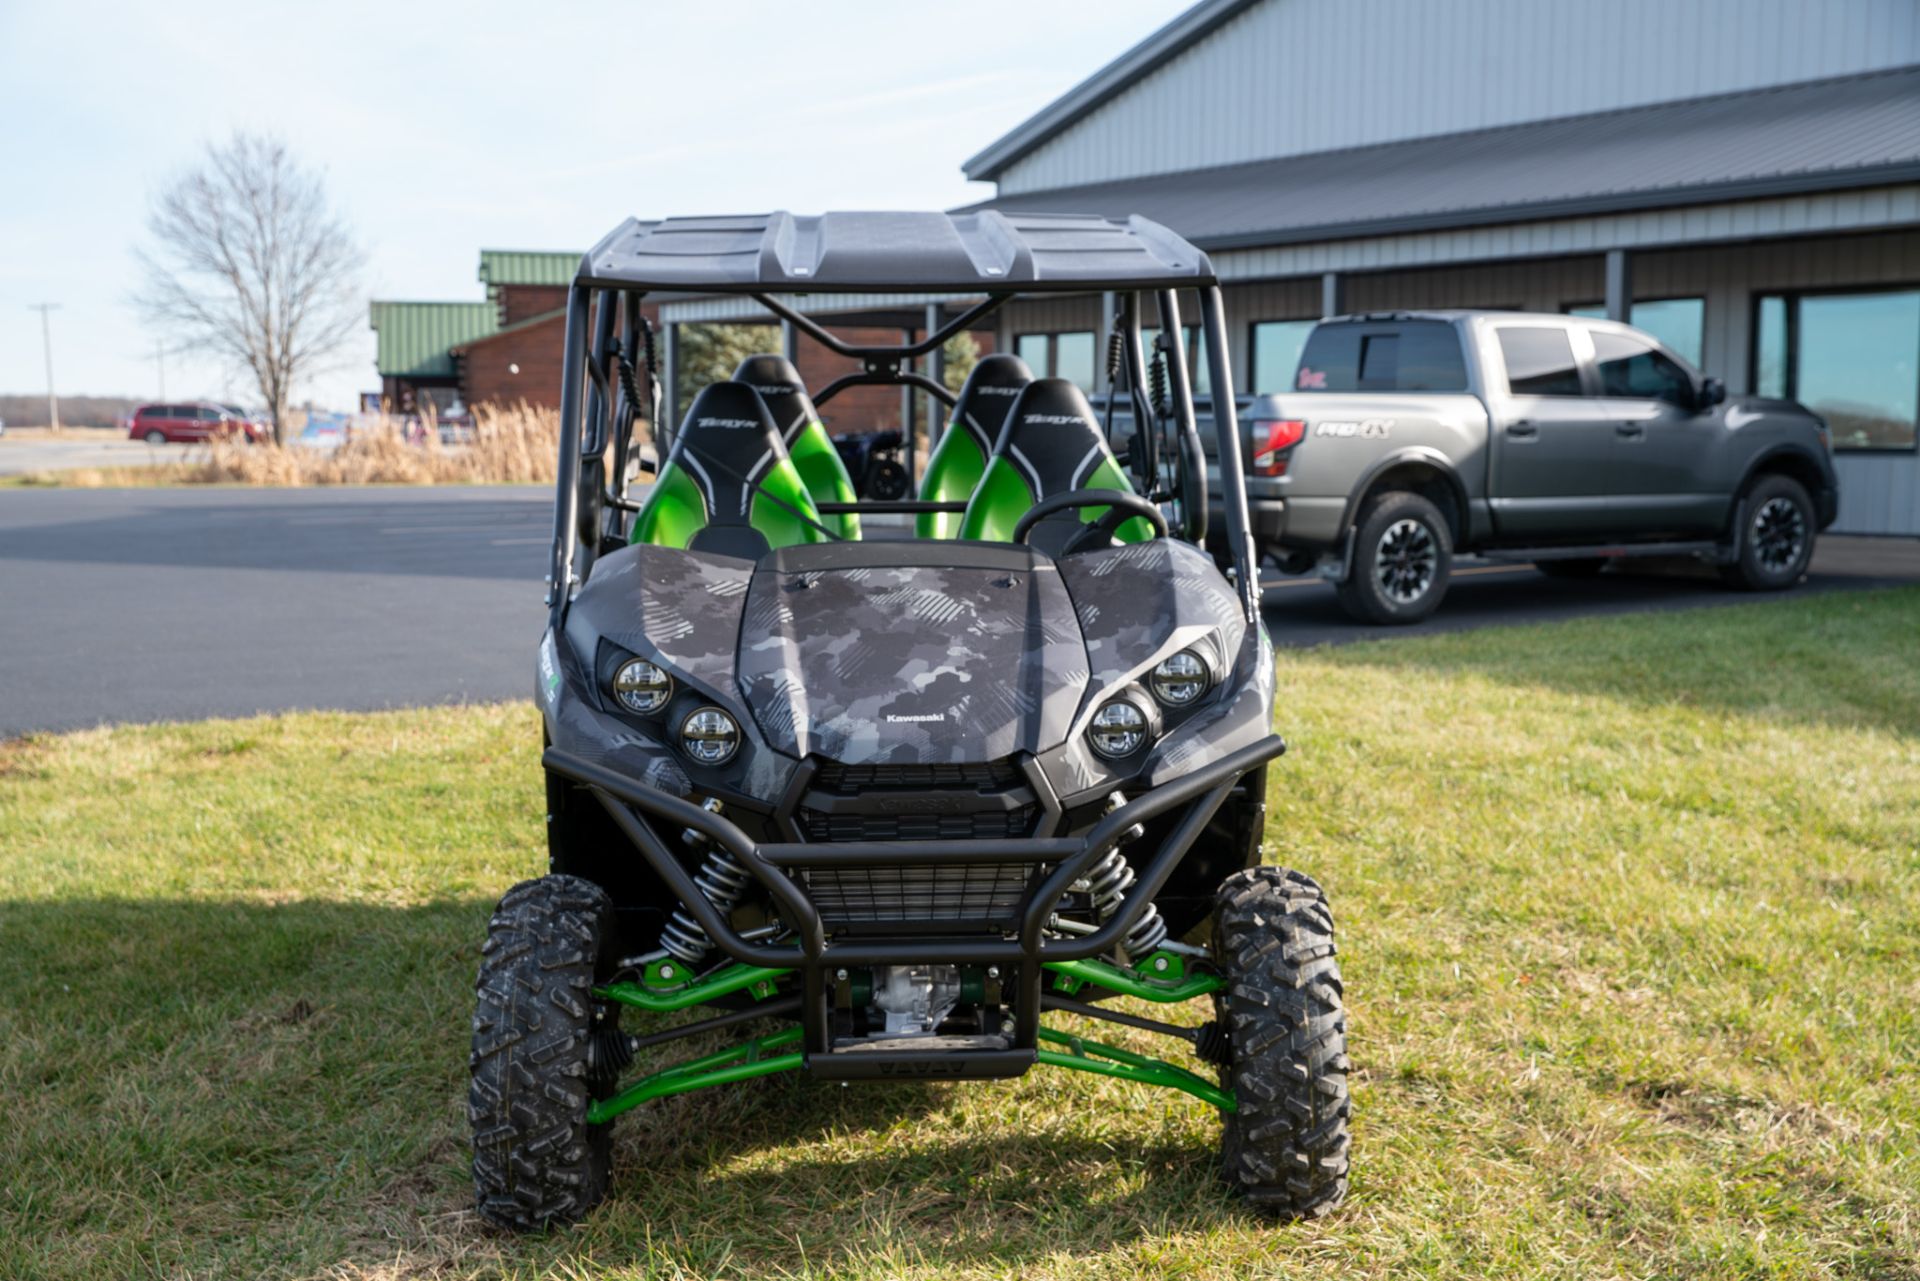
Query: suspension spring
[(722, 880), (1107, 885)]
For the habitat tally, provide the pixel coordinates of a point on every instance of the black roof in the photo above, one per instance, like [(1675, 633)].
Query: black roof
[(985, 251), (1817, 136)]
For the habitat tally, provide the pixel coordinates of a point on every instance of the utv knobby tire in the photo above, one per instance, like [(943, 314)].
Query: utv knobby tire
[(1764, 566), (536, 1160), (1286, 1147), (1401, 518)]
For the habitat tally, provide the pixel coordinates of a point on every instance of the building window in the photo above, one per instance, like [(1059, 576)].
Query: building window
[(1854, 359), (1063, 355), (1679, 323), (1276, 353)]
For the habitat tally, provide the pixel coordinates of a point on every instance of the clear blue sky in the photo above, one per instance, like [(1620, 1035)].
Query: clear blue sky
[(446, 127)]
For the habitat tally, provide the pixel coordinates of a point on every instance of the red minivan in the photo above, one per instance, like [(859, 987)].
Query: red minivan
[(189, 423)]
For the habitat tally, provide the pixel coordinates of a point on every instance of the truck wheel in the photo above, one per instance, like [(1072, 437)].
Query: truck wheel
[(1402, 555), (536, 1161), (1578, 567), (1286, 1148), (1778, 540)]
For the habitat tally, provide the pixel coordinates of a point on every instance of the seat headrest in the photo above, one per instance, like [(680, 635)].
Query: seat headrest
[(1052, 436), (779, 384), (990, 390), (727, 440)]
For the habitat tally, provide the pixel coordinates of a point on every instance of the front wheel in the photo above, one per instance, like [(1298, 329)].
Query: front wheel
[(155, 437), (1402, 557), (1286, 1146), (536, 1159), (1777, 543)]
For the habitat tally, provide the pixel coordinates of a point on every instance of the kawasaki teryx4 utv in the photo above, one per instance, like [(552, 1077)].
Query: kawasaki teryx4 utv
[(901, 798)]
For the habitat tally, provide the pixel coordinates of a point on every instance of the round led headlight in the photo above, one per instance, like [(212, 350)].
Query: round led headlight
[(709, 736), (641, 686), (1180, 679), (1118, 729)]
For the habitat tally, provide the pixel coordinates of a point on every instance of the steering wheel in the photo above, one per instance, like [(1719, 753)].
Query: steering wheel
[(1124, 507)]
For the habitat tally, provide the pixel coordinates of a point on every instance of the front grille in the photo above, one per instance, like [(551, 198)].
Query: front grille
[(818, 825), (984, 894), (976, 801), (851, 780)]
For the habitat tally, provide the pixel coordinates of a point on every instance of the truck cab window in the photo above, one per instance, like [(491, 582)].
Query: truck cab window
[(1412, 355), (1632, 368), (1539, 360)]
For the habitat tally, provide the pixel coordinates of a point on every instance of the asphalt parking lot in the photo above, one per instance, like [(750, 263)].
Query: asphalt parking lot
[(163, 604), (22, 452)]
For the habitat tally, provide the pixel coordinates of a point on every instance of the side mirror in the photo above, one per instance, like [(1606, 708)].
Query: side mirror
[(1712, 392)]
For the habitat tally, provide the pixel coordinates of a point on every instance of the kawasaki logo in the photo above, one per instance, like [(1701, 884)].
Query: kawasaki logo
[(1062, 419), (775, 389), (996, 391), (734, 424), (914, 718)]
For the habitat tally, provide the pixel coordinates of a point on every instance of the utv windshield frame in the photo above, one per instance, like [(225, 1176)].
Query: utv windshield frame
[(999, 257)]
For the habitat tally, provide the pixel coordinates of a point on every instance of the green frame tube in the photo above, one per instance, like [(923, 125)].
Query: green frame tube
[(1133, 983), (725, 982), (723, 1067), (1083, 1055), (758, 1057)]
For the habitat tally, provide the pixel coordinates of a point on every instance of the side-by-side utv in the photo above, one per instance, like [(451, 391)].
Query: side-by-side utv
[(901, 798)]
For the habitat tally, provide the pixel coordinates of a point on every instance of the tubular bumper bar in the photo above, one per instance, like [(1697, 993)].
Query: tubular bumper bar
[(1202, 792)]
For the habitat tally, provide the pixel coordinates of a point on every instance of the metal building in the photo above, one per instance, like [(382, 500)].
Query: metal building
[(1741, 177)]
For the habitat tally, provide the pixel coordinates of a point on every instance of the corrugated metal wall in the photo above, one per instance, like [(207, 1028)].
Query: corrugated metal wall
[(1290, 77), (1880, 493)]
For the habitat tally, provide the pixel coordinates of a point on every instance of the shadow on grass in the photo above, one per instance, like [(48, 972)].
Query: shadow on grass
[(275, 1089), (1845, 660)]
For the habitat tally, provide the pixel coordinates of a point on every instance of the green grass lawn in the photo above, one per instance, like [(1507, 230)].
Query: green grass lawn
[(1630, 921)]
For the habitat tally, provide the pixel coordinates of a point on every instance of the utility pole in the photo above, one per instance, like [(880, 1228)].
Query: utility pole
[(46, 338), (160, 361)]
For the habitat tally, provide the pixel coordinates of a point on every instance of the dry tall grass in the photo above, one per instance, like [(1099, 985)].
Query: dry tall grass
[(515, 445), (509, 446)]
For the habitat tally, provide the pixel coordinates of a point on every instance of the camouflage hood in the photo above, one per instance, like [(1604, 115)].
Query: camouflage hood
[(911, 652), (856, 654)]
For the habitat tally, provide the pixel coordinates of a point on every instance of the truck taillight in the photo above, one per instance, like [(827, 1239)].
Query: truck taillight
[(1273, 439)]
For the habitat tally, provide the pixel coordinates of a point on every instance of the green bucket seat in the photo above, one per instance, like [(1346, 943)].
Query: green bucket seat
[(960, 459), (1051, 444), (705, 497), (811, 449)]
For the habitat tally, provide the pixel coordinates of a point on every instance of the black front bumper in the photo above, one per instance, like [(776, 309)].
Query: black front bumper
[(1056, 863)]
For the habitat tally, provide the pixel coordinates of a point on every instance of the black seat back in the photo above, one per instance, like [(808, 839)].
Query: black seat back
[(981, 410), (1054, 441), (779, 384)]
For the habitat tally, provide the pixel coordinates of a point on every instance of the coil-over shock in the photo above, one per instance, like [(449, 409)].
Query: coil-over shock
[(1106, 884), (722, 880)]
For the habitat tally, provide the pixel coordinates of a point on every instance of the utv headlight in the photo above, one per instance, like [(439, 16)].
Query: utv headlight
[(642, 687), (1119, 729), (1180, 679), (709, 736)]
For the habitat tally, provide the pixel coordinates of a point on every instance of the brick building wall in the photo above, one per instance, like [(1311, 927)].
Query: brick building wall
[(521, 364), (523, 302)]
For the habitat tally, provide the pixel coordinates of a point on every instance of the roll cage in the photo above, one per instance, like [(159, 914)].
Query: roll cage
[(996, 256)]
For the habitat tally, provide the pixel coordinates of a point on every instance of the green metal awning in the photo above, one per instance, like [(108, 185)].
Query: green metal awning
[(527, 267), (416, 339)]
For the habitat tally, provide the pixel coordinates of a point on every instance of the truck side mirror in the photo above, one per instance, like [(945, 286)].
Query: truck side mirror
[(1712, 392)]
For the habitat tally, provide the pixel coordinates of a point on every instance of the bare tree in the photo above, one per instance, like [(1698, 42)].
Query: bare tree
[(250, 263)]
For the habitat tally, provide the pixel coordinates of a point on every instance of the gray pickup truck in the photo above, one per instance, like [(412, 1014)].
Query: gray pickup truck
[(1564, 441)]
